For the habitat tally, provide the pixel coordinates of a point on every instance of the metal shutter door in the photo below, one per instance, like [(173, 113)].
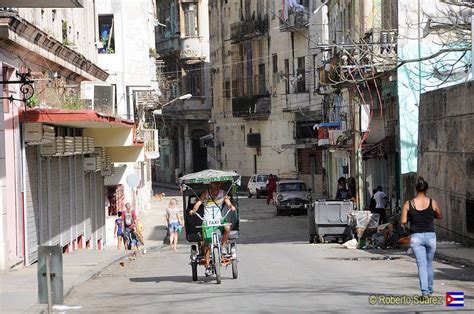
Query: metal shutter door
[(44, 208), (54, 190), (32, 204), (72, 199), (79, 196), (87, 207), (101, 212), (65, 201)]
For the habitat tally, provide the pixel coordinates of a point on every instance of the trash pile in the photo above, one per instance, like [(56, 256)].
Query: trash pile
[(371, 235)]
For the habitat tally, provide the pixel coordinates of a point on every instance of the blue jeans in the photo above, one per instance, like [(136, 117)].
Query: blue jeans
[(424, 246)]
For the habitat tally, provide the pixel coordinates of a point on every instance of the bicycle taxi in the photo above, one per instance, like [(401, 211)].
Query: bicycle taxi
[(192, 185)]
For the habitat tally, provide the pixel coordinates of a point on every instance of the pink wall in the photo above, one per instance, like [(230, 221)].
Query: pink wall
[(13, 198)]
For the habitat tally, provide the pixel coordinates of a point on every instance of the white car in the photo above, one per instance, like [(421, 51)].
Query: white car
[(257, 185)]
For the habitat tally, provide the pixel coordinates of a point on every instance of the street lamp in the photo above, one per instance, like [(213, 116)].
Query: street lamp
[(319, 8), (183, 97)]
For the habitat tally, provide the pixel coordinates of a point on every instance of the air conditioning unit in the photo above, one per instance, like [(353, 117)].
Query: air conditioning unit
[(68, 145), (60, 146), (89, 145), (48, 149), (254, 140), (101, 96), (78, 145), (39, 133)]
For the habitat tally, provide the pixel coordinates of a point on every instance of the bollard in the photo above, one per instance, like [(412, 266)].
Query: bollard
[(48, 282), (50, 275)]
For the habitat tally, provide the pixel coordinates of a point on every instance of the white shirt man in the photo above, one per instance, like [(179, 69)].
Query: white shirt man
[(380, 199)]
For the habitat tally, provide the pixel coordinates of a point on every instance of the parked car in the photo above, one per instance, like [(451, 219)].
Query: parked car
[(291, 196), (257, 185)]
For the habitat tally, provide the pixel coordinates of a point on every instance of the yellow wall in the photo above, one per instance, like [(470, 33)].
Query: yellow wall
[(126, 153), (111, 136)]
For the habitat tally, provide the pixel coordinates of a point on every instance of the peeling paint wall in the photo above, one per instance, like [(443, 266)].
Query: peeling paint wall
[(446, 157)]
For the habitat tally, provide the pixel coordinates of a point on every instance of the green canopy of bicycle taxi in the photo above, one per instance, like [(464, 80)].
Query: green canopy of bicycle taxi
[(210, 175)]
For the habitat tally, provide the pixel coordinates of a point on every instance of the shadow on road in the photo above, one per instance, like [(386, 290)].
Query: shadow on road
[(274, 230), (185, 279)]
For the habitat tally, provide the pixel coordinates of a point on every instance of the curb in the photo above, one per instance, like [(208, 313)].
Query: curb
[(96, 273), (453, 260)]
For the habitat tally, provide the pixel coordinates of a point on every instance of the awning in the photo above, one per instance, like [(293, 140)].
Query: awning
[(73, 118), (43, 3), (327, 125)]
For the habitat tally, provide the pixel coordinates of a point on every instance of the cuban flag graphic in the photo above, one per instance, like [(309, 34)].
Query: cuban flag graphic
[(454, 298)]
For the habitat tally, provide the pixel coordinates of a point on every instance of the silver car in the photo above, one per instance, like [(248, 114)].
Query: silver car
[(291, 196)]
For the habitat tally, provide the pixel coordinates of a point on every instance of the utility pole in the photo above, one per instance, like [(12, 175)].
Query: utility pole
[(358, 155)]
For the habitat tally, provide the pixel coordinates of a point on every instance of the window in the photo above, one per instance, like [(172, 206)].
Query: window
[(287, 76), (262, 178), (64, 32), (106, 34), (316, 72), (301, 80), (275, 63), (190, 19), (193, 79), (261, 78), (227, 89)]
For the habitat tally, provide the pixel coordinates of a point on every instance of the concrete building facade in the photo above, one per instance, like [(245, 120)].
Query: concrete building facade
[(54, 194), (435, 47), (445, 158), (265, 100), (182, 44)]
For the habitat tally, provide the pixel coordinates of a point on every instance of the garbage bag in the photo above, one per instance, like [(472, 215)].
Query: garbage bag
[(351, 244)]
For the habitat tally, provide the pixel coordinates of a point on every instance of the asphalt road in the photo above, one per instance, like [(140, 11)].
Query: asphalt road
[(279, 271)]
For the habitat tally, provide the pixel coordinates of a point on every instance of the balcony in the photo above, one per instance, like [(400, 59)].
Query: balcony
[(192, 48), (167, 45), (256, 107), (248, 29), (296, 102), (297, 20)]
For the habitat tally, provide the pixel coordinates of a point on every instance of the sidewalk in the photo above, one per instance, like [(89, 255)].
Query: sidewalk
[(18, 288), (446, 252), (455, 253)]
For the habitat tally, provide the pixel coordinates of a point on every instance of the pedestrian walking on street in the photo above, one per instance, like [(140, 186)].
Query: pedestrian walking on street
[(271, 186), (174, 222), (118, 231), (129, 217), (380, 202), (420, 212)]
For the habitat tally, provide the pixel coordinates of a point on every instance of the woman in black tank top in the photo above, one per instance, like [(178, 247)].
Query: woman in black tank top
[(420, 212)]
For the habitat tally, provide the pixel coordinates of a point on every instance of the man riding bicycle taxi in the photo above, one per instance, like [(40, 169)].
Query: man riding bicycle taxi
[(213, 201)]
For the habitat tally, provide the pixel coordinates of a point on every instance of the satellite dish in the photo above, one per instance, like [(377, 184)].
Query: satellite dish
[(132, 180)]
